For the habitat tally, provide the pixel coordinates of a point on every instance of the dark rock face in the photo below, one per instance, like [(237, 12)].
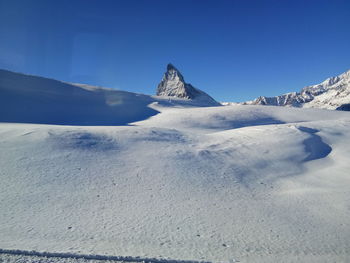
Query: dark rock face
[(174, 85)]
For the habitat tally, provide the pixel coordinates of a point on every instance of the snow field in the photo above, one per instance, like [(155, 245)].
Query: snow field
[(247, 183)]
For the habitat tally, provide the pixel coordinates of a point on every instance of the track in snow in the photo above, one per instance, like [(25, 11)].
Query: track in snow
[(7, 255)]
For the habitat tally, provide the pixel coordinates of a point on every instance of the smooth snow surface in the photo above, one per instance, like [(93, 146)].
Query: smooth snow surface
[(247, 183), (32, 99)]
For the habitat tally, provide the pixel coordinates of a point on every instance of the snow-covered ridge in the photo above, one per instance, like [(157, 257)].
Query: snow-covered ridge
[(174, 85), (33, 99), (333, 93)]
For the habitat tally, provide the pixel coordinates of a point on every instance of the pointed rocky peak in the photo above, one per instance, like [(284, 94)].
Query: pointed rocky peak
[(173, 74), (171, 67), (174, 85)]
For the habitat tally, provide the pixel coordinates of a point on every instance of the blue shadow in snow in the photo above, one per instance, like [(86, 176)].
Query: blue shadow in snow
[(314, 146)]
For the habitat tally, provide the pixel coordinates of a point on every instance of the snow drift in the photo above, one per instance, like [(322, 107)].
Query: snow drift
[(32, 99)]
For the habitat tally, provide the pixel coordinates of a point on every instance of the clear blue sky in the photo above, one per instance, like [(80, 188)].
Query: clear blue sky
[(235, 50)]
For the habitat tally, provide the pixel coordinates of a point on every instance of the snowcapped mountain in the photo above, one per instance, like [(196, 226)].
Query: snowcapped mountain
[(174, 85), (333, 93)]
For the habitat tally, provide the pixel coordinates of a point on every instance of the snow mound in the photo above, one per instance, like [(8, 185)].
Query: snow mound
[(31, 99), (211, 119)]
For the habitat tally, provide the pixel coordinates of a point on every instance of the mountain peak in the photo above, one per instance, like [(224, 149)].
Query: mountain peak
[(173, 85), (171, 67)]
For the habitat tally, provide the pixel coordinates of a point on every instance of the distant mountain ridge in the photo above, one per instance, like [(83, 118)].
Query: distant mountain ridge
[(333, 93)]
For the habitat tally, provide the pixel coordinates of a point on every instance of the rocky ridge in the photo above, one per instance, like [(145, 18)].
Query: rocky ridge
[(333, 93)]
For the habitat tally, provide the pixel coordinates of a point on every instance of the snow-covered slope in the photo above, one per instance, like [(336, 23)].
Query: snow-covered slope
[(246, 183), (33, 99), (174, 85), (333, 93), (250, 183)]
